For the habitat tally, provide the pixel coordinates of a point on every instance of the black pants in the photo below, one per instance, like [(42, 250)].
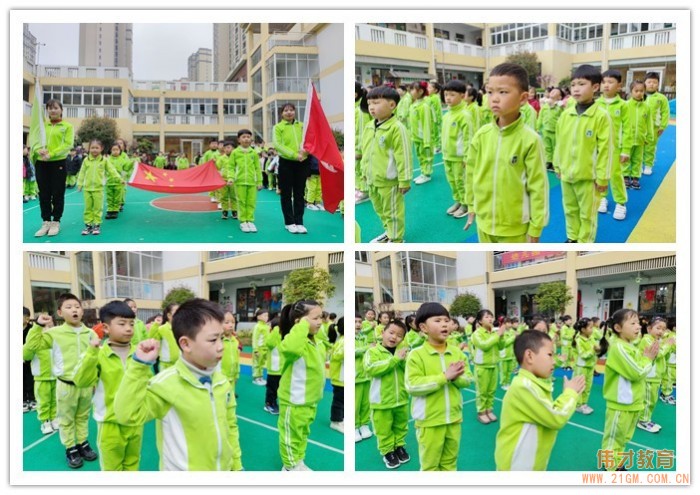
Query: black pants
[(273, 383), (338, 403), (292, 183), (51, 179), (27, 382)]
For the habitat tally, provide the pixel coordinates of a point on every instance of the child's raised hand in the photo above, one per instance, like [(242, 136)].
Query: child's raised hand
[(43, 319), (95, 342), (533, 239), (401, 353), (470, 220), (601, 189), (577, 383), (671, 341), (454, 370), (147, 350), (624, 158), (404, 190), (652, 350)]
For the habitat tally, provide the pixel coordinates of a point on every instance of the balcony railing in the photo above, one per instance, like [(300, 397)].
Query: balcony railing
[(386, 36), (192, 119), (300, 85), (640, 40), (537, 45), (49, 261), (518, 259), (220, 87), (589, 46), (80, 72), (458, 48), (420, 293), (118, 287), (236, 119), (222, 255), (291, 39), (73, 112), (335, 258), (144, 118)]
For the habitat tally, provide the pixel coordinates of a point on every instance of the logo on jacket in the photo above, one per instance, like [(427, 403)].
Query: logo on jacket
[(589, 133), (382, 139), (514, 160), (617, 112)]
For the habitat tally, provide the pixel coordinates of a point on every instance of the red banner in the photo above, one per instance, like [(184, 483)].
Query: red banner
[(520, 256), (203, 178)]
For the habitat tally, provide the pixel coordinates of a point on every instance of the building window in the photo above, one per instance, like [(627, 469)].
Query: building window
[(191, 106), (146, 105), (44, 299), (635, 27), (86, 276), (257, 87), (235, 107), (427, 277), (362, 256), (84, 95), (250, 300), (509, 33), (364, 301), (256, 57), (613, 299), (133, 274), (290, 72), (579, 31), (386, 289), (222, 255), (657, 299), (274, 112)]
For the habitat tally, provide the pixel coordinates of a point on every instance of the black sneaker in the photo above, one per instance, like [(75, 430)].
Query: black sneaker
[(635, 184), (391, 461), (224, 215), (73, 458), (86, 452), (121, 208), (234, 214), (628, 182), (402, 455), (569, 241)]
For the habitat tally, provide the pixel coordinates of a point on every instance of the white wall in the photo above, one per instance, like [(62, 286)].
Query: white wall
[(479, 291), (471, 264), (335, 303), (177, 260), (330, 52), (193, 283)]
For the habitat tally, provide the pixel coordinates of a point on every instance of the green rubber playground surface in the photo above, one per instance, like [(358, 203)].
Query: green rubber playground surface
[(575, 449), (258, 436), (146, 219)]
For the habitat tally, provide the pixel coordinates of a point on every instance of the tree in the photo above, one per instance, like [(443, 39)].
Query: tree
[(145, 145), (465, 304), (530, 62), (552, 298), (102, 128), (308, 283), (565, 82), (178, 295)]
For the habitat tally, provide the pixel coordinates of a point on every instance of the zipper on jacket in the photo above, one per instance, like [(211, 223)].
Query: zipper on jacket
[(446, 390), (573, 148), (495, 182), (216, 424)]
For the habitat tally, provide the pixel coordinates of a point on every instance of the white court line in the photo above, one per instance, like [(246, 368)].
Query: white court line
[(44, 438), (323, 446), (37, 200)]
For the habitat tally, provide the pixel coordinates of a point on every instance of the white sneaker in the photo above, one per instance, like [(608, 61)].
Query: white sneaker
[(361, 197), (291, 228), (365, 431), (301, 229), (462, 212), (54, 228), (453, 208), (422, 179), (310, 206), (299, 467), (337, 426), (43, 230), (647, 170), (54, 424), (620, 212), (381, 238), (252, 227), (46, 428), (603, 208), (648, 426), (584, 409), (218, 206), (416, 179), (244, 227), (212, 199), (358, 436)]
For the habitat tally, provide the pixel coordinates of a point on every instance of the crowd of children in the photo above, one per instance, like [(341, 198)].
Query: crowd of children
[(177, 371), (426, 358), (505, 139)]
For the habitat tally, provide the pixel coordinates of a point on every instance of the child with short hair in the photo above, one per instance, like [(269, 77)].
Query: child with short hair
[(362, 407), (487, 344), (68, 342), (547, 123), (414, 337), (102, 367), (231, 355), (586, 358), (422, 127), (641, 133), (583, 156), (386, 163), (115, 184), (660, 112), (435, 374), (226, 195), (140, 330), (44, 380), (337, 372), (626, 368), (404, 107), (161, 161), (530, 418), (260, 331), (369, 323), (385, 364), (245, 173), (193, 402), (182, 162), (168, 349), (94, 172), (508, 153), (275, 363), (655, 334)]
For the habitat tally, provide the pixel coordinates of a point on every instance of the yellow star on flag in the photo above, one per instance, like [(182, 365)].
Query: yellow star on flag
[(150, 176), (171, 180)]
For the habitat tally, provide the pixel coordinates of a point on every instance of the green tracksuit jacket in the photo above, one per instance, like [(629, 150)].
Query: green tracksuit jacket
[(287, 139), (508, 159), (361, 347), (486, 347), (303, 374), (387, 372), (403, 109), (641, 126), (659, 365), (386, 154), (275, 360), (617, 108), (548, 118), (40, 363), (566, 336), (626, 369), (169, 350), (457, 131), (414, 339), (586, 356), (59, 141), (198, 426), (209, 155), (530, 420), (95, 172), (183, 163), (361, 121), (140, 331), (260, 331), (337, 362), (243, 168), (660, 110), (585, 145), (436, 108), (160, 162), (529, 115), (66, 343), (231, 358), (120, 164), (420, 120), (436, 401)]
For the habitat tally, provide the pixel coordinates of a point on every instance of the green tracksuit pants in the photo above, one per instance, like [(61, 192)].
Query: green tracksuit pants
[(93, 207), (580, 201), (391, 428), (259, 359), (313, 189), (45, 394), (617, 182), (228, 198), (438, 447), (633, 168), (484, 237), (549, 139), (360, 182), (122, 198), (73, 408), (361, 404), (389, 204), (650, 150), (119, 446), (668, 380), (618, 430), (271, 181), (588, 374), (247, 197), (486, 383), (294, 425), (651, 397), (71, 180), (425, 157), (456, 174), (114, 197), (506, 368)]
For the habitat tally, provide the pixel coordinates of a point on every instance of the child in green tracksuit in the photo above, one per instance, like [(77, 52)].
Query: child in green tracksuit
[(336, 369), (414, 337), (656, 331), (182, 162), (44, 387), (422, 127), (193, 402), (566, 339), (260, 331), (660, 113), (368, 325), (94, 172), (386, 163), (547, 124), (641, 133), (435, 103), (458, 128), (435, 374), (140, 330), (299, 393), (127, 168), (586, 357), (169, 350), (583, 156), (668, 381), (531, 418), (622, 141), (275, 363), (385, 364), (487, 345), (247, 179), (404, 107), (529, 115), (506, 360), (383, 320), (313, 196), (67, 343), (626, 368), (507, 155), (211, 153), (160, 161), (362, 118), (227, 194), (231, 356), (362, 407), (115, 184), (102, 367)]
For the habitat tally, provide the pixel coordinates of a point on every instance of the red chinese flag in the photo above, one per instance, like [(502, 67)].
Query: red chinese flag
[(203, 178), (319, 141)]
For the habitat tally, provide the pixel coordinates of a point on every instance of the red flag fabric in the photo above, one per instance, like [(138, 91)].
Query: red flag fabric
[(203, 178), (319, 141)]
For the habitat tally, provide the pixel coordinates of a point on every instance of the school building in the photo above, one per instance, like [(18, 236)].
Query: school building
[(240, 281), (506, 281), (404, 52)]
